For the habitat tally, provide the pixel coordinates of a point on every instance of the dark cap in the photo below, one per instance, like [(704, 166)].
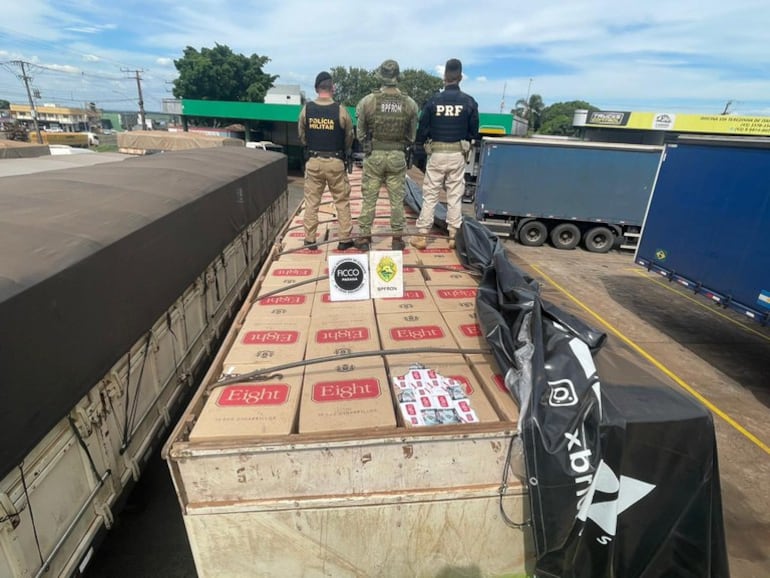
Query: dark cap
[(388, 73), (321, 77), (453, 70)]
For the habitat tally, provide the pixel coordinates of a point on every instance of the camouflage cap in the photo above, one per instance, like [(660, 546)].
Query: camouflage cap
[(388, 73)]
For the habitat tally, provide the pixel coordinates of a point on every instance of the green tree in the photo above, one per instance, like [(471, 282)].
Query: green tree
[(352, 84), (220, 74), (4, 104), (420, 85), (557, 118), (530, 109)]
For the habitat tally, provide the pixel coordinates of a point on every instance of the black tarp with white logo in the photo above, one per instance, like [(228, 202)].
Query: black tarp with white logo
[(623, 479)]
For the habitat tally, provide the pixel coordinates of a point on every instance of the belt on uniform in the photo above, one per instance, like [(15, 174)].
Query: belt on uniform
[(387, 145), (445, 147), (327, 154)]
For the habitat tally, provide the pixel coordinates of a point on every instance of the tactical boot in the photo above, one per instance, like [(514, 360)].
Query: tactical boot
[(452, 234), (362, 243), (397, 244), (419, 241)]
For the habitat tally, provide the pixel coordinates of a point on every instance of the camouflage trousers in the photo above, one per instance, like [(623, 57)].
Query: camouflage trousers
[(320, 173), (383, 168)]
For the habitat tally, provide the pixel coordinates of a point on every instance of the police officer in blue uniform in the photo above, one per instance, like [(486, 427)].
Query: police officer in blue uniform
[(448, 124)]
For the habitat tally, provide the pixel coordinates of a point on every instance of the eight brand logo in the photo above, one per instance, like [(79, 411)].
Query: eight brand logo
[(293, 272), (354, 389), (342, 335), (562, 393), (471, 330), (416, 333), (349, 276), (248, 394), (283, 300), (271, 337), (605, 514), (457, 293), (410, 294)]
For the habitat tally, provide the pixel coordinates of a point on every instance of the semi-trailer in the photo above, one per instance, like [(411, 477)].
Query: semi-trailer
[(564, 190)]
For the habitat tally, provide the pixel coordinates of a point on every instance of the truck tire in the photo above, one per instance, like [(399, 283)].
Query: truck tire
[(533, 234), (599, 240), (565, 236)]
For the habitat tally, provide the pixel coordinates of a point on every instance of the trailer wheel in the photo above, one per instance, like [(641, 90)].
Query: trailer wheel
[(533, 234), (599, 240), (565, 236)]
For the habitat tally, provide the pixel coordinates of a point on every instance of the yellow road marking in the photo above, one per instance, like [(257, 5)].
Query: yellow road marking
[(679, 381), (701, 303)]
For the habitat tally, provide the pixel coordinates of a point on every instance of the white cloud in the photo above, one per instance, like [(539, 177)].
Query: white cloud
[(647, 53)]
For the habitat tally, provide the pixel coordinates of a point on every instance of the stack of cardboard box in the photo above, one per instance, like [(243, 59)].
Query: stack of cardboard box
[(340, 354)]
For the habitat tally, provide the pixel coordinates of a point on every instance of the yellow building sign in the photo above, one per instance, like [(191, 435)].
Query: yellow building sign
[(710, 124)]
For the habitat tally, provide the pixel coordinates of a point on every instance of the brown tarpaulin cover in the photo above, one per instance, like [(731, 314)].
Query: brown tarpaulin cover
[(91, 257), (13, 149), (145, 140)]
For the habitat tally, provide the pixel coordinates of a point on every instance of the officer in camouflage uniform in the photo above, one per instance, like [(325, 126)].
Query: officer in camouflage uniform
[(387, 126), (326, 130), (448, 124)]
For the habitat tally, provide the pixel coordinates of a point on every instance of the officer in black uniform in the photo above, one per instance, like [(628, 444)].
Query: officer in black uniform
[(326, 130), (448, 124)]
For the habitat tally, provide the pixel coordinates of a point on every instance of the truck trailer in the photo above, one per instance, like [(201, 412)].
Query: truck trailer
[(567, 191), (344, 431), (117, 282), (708, 218)]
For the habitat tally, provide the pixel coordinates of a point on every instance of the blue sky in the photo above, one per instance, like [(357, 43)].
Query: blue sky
[(682, 57)]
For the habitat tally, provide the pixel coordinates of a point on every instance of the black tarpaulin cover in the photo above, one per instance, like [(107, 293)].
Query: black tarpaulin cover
[(91, 257), (623, 479)]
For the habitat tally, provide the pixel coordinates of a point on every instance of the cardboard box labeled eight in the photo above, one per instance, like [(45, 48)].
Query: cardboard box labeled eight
[(250, 409), (350, 395)]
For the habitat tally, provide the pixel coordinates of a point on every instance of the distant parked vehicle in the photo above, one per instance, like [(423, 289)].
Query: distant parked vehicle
[(568, 191), (707, 222), (264, 145)]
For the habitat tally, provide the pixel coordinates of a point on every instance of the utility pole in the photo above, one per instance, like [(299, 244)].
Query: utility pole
[(526, 100), (526, 103), (502, 102), (139, 90), (26, 80)]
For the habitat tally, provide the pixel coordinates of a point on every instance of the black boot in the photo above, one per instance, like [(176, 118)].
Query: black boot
[(397, 244), (362, 243)]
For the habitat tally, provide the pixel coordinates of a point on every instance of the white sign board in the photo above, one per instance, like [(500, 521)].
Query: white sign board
[(387, 273), (349, 277)]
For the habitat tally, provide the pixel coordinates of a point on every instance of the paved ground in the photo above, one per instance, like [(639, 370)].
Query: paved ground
[(686, 341)]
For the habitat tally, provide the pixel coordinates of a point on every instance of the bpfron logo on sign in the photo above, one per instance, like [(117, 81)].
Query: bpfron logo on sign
[(348, 277), (387, 273)]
